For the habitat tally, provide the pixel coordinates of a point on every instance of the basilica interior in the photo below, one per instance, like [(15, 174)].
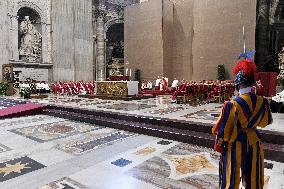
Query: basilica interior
[(123, 94)]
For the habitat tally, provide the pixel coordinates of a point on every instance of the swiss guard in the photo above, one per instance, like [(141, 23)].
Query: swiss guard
[(237, 137)]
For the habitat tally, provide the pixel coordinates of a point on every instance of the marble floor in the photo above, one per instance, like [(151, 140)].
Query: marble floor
[(159, 107), (43, 152)]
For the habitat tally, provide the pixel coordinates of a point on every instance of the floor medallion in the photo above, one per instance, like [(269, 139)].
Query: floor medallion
[(52, 131)]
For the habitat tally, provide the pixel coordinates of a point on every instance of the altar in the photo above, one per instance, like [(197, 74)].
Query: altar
[(117, 88)]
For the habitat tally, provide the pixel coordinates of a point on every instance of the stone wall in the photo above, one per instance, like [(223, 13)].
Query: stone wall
[(167, 35), (172, 38), (63, 40), (176, 33), (218, 35), (204, 34), (182, 63), (143, 38), (83, 33), (72, 40)]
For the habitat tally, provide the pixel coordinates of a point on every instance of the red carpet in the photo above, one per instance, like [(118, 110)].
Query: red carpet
[(21, 110)]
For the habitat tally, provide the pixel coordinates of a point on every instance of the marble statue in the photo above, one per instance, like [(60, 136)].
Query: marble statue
[(30, 41)]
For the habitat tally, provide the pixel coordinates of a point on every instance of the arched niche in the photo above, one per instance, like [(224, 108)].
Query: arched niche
[(29, 31), (33, 15), (115, 49)]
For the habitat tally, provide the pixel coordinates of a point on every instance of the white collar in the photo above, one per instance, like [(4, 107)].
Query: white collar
[(245, 90)]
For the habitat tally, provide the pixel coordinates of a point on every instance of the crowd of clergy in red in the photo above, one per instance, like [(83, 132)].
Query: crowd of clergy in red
[(184, 91), (73, 88), (207, 90), (204, 90)]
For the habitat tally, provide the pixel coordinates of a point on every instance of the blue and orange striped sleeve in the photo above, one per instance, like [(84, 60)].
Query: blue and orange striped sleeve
[(226, 124), (266, 118)]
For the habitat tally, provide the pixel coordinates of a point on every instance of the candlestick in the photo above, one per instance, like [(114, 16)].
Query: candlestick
[(244, 36)]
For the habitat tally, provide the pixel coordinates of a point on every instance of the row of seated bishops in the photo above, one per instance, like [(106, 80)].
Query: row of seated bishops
[(206, 90), (72, 88)]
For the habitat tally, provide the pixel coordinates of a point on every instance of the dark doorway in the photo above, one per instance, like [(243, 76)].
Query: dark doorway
[(115, 49)]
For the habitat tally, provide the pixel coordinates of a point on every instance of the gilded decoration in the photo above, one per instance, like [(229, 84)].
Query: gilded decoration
[(112, 88)]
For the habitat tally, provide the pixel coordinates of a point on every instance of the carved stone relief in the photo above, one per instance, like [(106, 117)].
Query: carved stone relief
[(30, 41)]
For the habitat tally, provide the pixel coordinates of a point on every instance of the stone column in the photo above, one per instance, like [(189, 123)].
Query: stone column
[(262, 34), (101, 75), (95, 57), (44, 45), (94, 43), (13, 36)]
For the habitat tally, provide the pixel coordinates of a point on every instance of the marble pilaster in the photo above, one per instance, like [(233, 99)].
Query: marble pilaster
[(101, 66), (14, 55)]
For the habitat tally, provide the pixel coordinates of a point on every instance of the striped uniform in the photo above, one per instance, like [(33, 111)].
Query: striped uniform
[(239, 143)]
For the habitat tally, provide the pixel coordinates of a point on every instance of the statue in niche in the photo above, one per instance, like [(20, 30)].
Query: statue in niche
[(30, 41)]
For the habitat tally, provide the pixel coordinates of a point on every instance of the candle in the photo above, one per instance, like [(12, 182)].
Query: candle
[(101, 75), (126, 71), (130, 72), (244, 36)]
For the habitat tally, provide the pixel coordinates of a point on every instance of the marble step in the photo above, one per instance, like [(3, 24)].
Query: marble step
[(266, 136), (272, 151)]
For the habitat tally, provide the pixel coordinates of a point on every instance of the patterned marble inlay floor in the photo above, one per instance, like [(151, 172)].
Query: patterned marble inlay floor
[(204, 114), (72, 155), (53, 131), (127, 106), (71, 101), (159, 107), (166, 164), (64, 183), (94, 140), (164, 111), (24, 120), (4, 148), (17, 167), (182, 166)]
